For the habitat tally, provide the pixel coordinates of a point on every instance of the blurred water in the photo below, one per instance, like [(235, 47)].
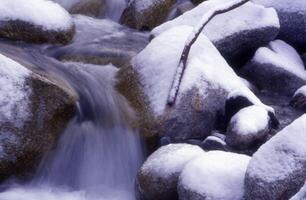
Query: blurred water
[(114, 8), (98, 155)]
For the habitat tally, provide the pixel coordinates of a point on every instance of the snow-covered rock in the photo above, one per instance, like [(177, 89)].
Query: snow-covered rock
[(278, 169), (292, 14), (203, 90), (214, 143), (249, 126), (92, 8), (101, 42), (33, 111), (239, 99), (299, 98), (146, 14), (157, 178), (36, 21), (236, 33), (277, 67), (215, 175)]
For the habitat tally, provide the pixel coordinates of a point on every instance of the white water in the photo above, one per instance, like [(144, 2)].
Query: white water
[(97, 156)]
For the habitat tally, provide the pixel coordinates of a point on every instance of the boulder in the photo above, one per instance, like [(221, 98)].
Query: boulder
[(34, 110), (35, 22), (92, 8), (248, 127), (237, 33), (157, 178), (144, 14), (277, 67), (299, 99), (147, 80), (292, 15), (101, 42), (215, 175), (278, 169)]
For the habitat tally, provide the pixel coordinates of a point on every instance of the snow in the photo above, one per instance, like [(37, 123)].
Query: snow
[(250, 121), (286, 5), (281, 55), (170, 159), (157, 63), (251, 97), (14, 94), (301, 90), (247, 17), (216, 139), (282, 155), (216, 175), (44, 13)]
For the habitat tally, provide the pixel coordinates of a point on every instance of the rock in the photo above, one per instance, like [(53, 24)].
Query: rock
[(101, 42), (147, 81), (250, 126), (301, 195), (214, 175), (277, 67), (34, 110), (239, 99), (303, 56), (157, 178), (92, 8), (292, 14), (197, 1), (35, 22), (277, 169), (214, 143), (299, 99), (237, 33), (145, 15)]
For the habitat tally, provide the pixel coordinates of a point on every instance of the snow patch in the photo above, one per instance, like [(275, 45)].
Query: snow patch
[(250, 120), (281, 55), (301, 90), (45, 13), (216, 175), (244, 18), (14, 94), (170, 159)]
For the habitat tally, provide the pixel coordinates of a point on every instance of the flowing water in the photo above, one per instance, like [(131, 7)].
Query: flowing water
[(114, 8), (98, 155)]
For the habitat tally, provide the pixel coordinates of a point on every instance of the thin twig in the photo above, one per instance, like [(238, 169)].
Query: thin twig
[(191, 40)]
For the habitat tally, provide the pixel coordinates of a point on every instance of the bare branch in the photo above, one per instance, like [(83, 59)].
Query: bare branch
[(191, 40)]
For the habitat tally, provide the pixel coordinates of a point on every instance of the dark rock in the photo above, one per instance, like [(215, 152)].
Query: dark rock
[(299, 99), (92, 8), (145, 15)]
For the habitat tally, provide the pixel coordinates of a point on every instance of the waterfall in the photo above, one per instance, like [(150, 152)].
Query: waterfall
[(98, 155)]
